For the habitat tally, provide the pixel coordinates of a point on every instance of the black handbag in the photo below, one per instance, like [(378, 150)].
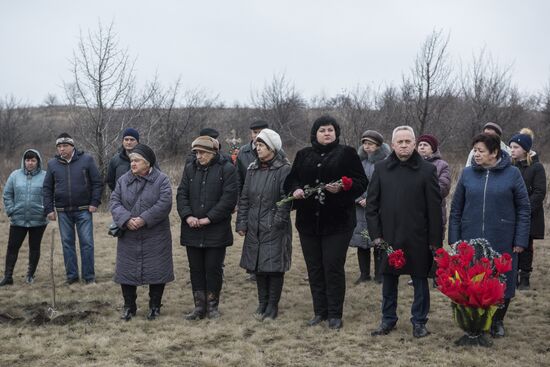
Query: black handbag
[(115, 230)]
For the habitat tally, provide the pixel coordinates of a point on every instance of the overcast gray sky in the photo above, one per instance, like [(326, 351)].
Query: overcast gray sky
[(232, 47)]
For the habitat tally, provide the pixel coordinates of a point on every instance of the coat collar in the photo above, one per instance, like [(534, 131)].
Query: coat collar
[(151, 177), (277, 162), (502, 163), (413, 162)]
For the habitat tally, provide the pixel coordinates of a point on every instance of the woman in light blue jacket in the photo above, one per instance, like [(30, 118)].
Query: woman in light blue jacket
[(23, 205)]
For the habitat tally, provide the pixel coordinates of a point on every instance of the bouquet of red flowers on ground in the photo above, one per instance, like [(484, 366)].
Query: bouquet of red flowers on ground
[(471, 274), (396, 258), (345, 182)]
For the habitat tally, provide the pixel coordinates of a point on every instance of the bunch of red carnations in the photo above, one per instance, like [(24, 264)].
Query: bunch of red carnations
[(471, 274)]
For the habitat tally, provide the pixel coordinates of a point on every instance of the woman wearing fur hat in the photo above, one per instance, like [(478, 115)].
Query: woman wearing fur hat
[(267, 248), (372, 150), (140, 205), (326, 222), (534, 176), (206, 197)]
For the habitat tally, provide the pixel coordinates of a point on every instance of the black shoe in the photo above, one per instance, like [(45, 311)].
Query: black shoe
[(383, 329), (128, 313), (410, 282), (72, 281), (89, 281), (29, 279), (497, 329), (154, 312), (523, 284), (6, 281), (362, 279), (335, 324), (420, 331), (316, 320), (259, 313), (271, 312)]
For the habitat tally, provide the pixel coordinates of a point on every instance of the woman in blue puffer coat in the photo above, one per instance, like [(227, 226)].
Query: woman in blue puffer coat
[(23, 205), (491, 202)]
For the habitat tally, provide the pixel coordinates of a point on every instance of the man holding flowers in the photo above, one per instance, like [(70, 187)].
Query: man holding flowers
[(404, 211)]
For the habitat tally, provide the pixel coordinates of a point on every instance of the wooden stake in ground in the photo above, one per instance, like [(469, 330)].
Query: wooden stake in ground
[(52, 313)]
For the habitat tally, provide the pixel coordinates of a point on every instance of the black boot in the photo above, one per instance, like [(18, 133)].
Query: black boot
[(497, 326), (34, 257), (200, 306), (363, 257), (11, 259), (155, 300), (213, 300), (262, 282), (129, 293), (275, 290), (6, 281), (523, 284)]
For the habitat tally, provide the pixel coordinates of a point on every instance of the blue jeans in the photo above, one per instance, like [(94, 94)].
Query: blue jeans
[(421, 302), (82, 220)]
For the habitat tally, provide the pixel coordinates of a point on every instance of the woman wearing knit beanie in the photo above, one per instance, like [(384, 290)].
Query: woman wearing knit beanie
[(267, 248), (428, 148), (372, 150), (206, 197), (535, 180)]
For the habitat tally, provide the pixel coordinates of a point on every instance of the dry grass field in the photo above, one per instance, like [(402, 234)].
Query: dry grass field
[(88, 331)]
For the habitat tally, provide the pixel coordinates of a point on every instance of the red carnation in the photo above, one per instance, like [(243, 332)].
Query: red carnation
[(503, 264), (347, 183), (397, 259)]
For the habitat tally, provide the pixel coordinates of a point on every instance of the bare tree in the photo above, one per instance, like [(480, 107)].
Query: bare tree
[(102, 92), (283, 107), (356, 111), (430, 87), (486, 87), (174, 115), (14, 121)]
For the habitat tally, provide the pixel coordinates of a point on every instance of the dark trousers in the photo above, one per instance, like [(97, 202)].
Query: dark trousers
[(16, 237), (363, 257), (129, 292), (421, 302), (206, 268), (325, 258), (525, 258)]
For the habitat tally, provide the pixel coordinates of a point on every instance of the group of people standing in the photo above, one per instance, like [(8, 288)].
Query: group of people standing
[(397, 194)]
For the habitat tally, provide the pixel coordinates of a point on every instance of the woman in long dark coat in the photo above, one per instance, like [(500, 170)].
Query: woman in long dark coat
[(534, 176), (206, 198), (325, 222), (372, 150), (267, 248), (491, 202), (141, 205)]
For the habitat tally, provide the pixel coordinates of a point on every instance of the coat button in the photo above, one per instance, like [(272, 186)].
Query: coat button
[(318, 164), (316, 181), (317, 213)]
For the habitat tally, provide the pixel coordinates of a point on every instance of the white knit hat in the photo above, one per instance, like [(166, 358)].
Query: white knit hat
[(271, 139)]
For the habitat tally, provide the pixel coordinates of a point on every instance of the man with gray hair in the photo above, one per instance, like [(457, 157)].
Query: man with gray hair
[(404, 210)]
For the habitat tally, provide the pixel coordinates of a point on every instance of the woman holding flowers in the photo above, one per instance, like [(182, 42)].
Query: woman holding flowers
[(372, 150), (491, 202), (267, 248), (325, 220)]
